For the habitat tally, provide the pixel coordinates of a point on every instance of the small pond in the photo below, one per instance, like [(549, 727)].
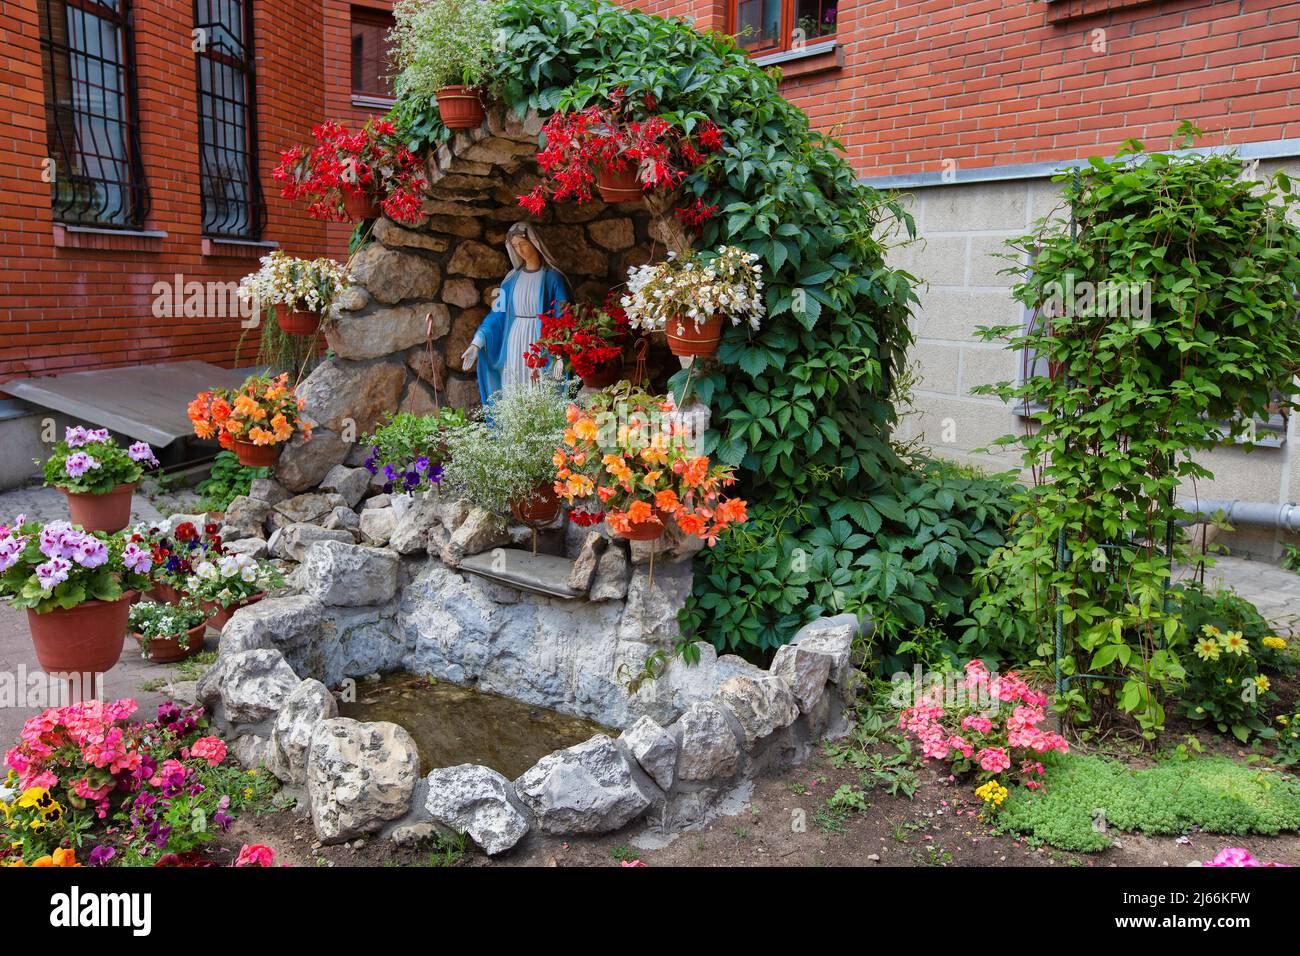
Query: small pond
[(454, 725)]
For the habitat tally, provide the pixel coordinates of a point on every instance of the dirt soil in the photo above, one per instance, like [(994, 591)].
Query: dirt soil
[(940, 826)]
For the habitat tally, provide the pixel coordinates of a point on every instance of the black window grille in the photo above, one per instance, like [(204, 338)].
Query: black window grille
[(233, 206), (90, 113)]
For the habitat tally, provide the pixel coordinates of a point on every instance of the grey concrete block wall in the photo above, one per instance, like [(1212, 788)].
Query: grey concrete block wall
[(959, 257)]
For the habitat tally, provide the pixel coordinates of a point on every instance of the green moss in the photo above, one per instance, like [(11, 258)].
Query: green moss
[(1212, 793)]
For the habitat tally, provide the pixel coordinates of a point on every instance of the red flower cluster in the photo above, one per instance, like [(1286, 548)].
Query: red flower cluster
[(372, 162), (694, 216), (606, 138), (586, 336)]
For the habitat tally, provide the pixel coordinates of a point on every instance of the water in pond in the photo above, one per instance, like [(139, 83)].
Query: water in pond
[(453, 725)]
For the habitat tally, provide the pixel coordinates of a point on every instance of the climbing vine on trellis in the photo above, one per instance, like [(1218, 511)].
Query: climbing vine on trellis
[(1164, 323)]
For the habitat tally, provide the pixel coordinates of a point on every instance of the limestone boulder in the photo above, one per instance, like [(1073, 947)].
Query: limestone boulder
[(391, 275), (587, 560), (275, 622), (805, 670), (376, 525), (308, 705), (311, 508), (655, 749), (348, 483), (481, 531), (589, 788), (610, 580), (245, 518), (348, 575), (478, 261), (251, 685), (384, 331), (832, 637), (477, 802), (708, 748), (411, 534), (348, 398), (293, 540), (304, 462), (359, 776), (761, 705)]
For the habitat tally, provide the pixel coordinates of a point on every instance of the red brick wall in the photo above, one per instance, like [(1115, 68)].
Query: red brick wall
[(991, 82), (80, 308)]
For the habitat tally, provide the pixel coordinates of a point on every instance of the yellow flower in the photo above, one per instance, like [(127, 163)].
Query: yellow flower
[(1234, 643), (34, 796), (1261, 683), (992, 793), (1207, 649), (1211, 630), (248, 793), (1275, 642)]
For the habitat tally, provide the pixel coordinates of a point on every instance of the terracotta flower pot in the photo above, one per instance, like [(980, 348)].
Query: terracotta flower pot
[(256, 456), (692, 339), (360, 206), (605, 376), (86, 639), (618, 185), (110, 511), (460, 107), (539, 507), (220, 615), (295, 321), (166, 594), (648, 530), (168, 650)]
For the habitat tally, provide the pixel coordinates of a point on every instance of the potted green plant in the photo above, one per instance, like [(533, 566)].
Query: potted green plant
[(76, 587), (298, 292), (503, 460), (688, 297), (168, 633), (444, 49), (98, 476), (224, 583), (410, 451)]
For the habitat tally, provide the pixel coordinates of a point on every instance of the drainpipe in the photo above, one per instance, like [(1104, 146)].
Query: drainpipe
[(1237, 512)]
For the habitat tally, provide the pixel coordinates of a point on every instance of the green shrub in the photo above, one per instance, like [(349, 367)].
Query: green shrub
[(227, 480), (441, 43), (1213, 794)]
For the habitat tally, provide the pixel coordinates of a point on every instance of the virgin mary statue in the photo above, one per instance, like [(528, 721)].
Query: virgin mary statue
[(534, 285)]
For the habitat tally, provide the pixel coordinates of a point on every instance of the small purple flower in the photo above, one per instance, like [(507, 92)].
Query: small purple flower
[(220, 817), (78, 463), (97, 437), (141, 451), (10, 549), (435, 474), (91, 552), (75, 436), (373, 457), (390, 472), (422, 464), (136, 559), (411, 478), (59, 540), (101, 854), (53, 572)]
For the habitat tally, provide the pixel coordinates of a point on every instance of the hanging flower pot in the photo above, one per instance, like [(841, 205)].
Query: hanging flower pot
[(605, 375), (618, 185), (86, 639), (256, 456), (296, 321), (168, 650), (537, 508), (460, 107), (651, 529), (220, 615), (110, 511), (687, 338), (360, 206)]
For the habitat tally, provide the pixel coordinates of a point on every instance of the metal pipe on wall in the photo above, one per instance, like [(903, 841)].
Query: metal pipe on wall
[(1237, 512)]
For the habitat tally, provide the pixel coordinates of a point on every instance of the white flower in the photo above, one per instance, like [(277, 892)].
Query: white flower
[(229, 566), (248, 574), (206, 570)]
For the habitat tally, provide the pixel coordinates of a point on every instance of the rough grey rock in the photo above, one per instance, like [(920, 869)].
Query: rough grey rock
[(805, 670), (761, 705), (391, 276), (652, 607), (377, 501), (610, 581), (587, 788), (453, 513), (708, 747), (832, 636), (377, 524), (245, 518), (251, 751), (385, 331), (254, 548), (306, 509), (411, 532), (654, 749), (478, 802), (350, 483), (293, 540), (304, 462), (348, 575), (268, 490), (584, 565), (348, 397), (359, 776), (342, 519), (480, 532), (309, 704), (251, 685), (279, 622)]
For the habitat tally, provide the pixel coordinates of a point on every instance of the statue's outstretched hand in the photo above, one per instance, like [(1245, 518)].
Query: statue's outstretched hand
[(469, 357)]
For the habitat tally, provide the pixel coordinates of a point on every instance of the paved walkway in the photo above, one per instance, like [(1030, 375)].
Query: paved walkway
[(1274, 590)]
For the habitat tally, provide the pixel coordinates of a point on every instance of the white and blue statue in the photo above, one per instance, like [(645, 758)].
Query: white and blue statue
[(534, 285)]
